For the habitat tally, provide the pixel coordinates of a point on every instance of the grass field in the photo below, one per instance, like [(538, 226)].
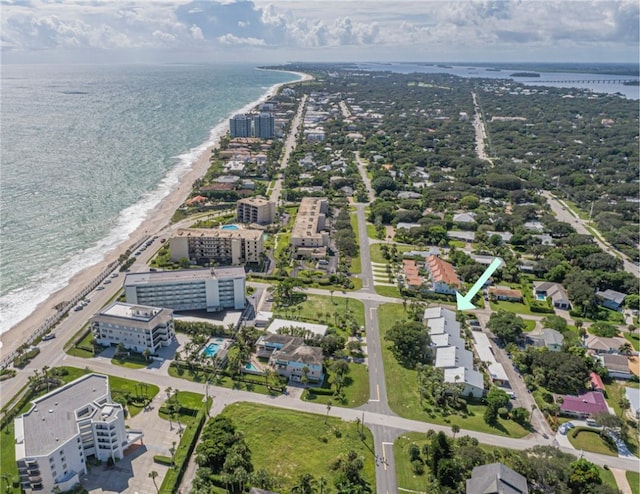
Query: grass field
[(356, 389), (223, 382), (514, 307), (387, 291), (403, 396), (376, 253), (356, 264), (634, 481), (316, 307), (288, 443), (590, 441), (371, 231)]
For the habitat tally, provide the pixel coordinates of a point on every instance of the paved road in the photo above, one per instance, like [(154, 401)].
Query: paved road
[(563, 213), (289, 145), (365, 177)]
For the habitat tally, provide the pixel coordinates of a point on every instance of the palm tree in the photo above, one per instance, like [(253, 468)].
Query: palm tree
[(328, 410), (626, 349), (322, 483), (455, 428), (172, 450), (304, 485), (153, 475)]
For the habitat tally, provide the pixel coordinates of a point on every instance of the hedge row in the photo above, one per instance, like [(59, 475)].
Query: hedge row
[(174, 475), (321, 391), (163, 460)]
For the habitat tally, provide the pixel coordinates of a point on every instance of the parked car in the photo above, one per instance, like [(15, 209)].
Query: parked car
[(48, 336)]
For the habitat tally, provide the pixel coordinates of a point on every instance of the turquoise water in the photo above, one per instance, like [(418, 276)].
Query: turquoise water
[(211, 350), (88, 151), (541, 297), (251, 367), (229, 227)]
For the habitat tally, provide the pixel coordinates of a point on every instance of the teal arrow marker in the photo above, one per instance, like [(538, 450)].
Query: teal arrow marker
[(464, 303)]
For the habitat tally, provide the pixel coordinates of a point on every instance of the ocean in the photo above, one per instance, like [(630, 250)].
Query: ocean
[(86, 152)]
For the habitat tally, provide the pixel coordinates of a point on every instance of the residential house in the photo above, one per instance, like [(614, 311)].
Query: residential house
[(585, 405), (269, 343), (464, 218), (407, 194), (534, 226), (633, 395), (412, 278), (549, 338), (462, 235), (505, 293), (617, 365), (600, 344), (442, 276), (295, 360), (611, 299), (544, 289), (596, 382), (495, 478), (279, 324)]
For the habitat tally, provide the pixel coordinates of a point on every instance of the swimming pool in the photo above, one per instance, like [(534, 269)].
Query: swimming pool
[(541, 297), (251, 367), (211, 350), (229, 227)]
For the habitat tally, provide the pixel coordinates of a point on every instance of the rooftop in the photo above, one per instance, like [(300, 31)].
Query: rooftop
[(247, 234), (590, 403), (51, 420), (185, 275), (276, 324), (442, 271)]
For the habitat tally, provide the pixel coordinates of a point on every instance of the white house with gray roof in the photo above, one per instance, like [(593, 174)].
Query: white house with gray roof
[(450, 353), (62, 428), (496, 478)]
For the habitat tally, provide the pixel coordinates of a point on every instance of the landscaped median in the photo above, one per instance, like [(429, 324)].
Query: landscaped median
[(403, 393)]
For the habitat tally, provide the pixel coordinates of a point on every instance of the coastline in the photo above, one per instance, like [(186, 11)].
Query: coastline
[(156, 220)]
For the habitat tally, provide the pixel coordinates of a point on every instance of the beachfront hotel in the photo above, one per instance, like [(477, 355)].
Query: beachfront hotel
[(264, 125), (137, 327), (64, 427), (224, 246), (256, 210), (240, 125), (308, 236), (192, 289)]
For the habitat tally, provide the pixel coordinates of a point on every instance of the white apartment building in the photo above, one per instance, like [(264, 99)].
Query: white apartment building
[(225, 246), (137, 327), (451, 354), (308, 230), (256, 210), (192, 289), (64, 427)]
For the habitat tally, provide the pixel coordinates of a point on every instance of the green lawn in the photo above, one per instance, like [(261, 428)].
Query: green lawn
[(186, 399), (223, 382), (73, 350), (376, 253), (371, 231), (356, 389), (356, 264), (615, 391), (133, 361), (387, 291), (634, 481), (403, 396), (288, 443), (634, 339), (316, 307), (514, 307), (587, 440)]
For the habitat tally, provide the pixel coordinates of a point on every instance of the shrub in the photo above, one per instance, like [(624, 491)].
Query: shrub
[(163, 460)]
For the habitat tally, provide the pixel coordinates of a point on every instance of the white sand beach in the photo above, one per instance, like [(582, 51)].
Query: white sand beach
[(154, 223)]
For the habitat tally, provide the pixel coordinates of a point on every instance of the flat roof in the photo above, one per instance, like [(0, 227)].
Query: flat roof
[(51, 421), (276, 324), (136, 312), (483, 347), (243, 233), (183, 275), (496, 370)]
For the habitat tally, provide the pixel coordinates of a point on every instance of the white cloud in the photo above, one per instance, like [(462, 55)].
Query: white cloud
[(305, 29), (230, 39), (196, 32)]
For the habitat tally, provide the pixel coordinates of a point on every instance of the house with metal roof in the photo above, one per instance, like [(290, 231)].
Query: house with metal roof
[(495, 478)]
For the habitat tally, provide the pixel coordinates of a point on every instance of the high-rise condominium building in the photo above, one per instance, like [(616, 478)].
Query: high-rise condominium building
[(205, 245), (192, 289)]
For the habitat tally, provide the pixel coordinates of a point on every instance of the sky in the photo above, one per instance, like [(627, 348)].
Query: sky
[(277, 31)]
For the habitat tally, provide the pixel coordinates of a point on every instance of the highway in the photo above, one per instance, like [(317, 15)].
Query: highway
[(563, 213)]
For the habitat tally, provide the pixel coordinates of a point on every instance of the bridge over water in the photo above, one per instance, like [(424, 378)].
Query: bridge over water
[(584, 81)]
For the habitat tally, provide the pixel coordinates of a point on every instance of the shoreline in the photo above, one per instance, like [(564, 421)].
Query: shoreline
[(155, 221)]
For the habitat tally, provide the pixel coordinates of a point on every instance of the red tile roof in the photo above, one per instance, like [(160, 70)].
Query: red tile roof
[(596, 382), (442, 271)]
